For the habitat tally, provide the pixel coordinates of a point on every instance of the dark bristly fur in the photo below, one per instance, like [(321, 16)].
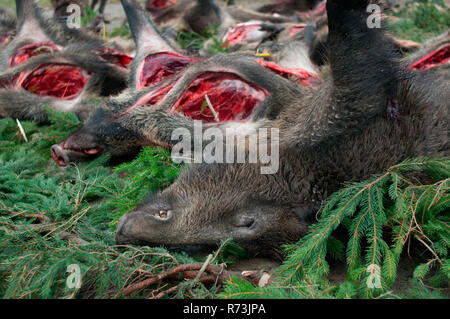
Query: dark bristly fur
[(343, 132)]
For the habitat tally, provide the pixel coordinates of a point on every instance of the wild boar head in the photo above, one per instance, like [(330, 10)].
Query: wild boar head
[(209, 203)]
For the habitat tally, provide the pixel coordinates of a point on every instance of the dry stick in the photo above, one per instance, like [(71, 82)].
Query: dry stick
[(206, 264), (216, 115), (73, 238), (430, 249), (21, 130), (170, 273), (165, 292), (40, 217)]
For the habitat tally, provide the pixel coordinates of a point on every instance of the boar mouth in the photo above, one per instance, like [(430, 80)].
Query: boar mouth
[(63, 155), (437, 57), (191, 250)]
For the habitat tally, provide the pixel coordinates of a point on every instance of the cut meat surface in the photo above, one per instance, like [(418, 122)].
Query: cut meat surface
[(244, 33), (115, 57), (296, 29), (151, 99), (306, 78), (161, 66), (435, 58), (24, 53), (159, 4), (61, 81), (231, 97)]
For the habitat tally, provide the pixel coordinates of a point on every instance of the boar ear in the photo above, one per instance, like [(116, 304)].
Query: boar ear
[(145, 35)]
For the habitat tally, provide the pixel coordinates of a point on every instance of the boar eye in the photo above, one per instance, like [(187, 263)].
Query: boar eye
[(163, 214)]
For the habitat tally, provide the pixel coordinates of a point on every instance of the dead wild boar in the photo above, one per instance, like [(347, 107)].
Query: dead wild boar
[(167, 86), (49, 64), (202, 15), (370, 113)]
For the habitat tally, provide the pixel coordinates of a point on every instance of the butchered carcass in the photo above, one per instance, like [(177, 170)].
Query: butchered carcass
[(49, 64), (372, 111), (168, 90)]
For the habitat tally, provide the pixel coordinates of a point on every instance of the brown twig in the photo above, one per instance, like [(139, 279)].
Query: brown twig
[(41, 217), (188, 270), (165, 292)]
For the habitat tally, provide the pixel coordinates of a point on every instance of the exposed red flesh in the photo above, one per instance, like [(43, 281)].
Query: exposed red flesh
[(296, 29), (150, 99), (115, 57), (161, 66), (159, 4), (435, 58), (31, 50), (306, 78), (231, 97), (320, 9), (57, 80), (240, 33)]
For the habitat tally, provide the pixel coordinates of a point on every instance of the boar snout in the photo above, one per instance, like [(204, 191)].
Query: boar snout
[(121, 239), (63, 155), (59, 155), (130, 227)]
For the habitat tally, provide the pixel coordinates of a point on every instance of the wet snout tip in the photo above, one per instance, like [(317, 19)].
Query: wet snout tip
[(119, 232), (59, 155)]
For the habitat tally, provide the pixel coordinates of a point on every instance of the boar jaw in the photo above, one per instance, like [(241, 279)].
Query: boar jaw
[(63, 156)]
